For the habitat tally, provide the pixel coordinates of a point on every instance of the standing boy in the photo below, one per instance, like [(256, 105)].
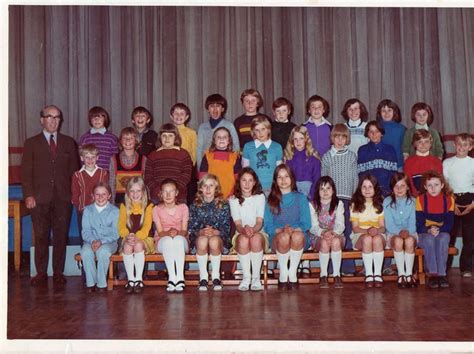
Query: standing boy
[(252, 100), (49, 161)]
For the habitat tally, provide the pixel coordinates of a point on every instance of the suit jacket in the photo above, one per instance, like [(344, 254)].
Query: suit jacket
[(46, 178)]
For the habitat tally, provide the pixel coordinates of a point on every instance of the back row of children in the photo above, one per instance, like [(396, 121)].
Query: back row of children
[(263, 155)]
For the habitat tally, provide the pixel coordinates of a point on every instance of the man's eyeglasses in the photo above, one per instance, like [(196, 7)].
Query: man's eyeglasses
[(50, 117)]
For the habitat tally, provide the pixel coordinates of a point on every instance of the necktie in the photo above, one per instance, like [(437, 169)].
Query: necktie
[(52, 145)]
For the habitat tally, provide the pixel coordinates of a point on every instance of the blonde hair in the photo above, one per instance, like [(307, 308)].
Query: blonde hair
[(261, 119), (128, 201), (340, 129), (219, 199), (290, 149)]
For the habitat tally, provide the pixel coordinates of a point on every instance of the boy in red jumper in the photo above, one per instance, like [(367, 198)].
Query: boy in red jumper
[(416, 165), (84, 180)]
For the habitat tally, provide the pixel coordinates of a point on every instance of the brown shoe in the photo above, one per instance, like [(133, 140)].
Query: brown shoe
[(338, 282), (58, 278), (39, 280), (293, 285), (323, 283), (369, 281)]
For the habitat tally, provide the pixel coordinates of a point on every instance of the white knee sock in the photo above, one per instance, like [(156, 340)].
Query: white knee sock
[(323, 262), (336, 257), (367, 259), (400, 262), (128, 262), (167, 248), (256, 258), (378, 262), (139, 265), (409, 261), (283, 265), (295, 257), (244, 260), (202, 263), (179, 244), (216, 266)]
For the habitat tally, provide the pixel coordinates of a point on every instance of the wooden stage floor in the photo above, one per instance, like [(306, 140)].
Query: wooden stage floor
[(350, 314)]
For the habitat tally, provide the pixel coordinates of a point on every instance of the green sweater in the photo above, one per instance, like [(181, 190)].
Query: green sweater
[(436, 149)]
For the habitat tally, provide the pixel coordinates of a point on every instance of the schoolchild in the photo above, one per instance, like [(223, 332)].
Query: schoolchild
[(422, 115), (142, 120), (180, 115), (216, 105), (327, 228), (318, 126), (134, 226), (282, 110), (100, 235), (287, 221), (356, 115), (400, 222), (125, 165), (434, 220), (247, 207), (263, 154), (221, 161), (103, 139), (304, 161), (209, 229), (171, 233), (251, 100)]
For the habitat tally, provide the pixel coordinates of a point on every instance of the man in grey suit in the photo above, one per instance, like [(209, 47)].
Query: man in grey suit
[(49, 161)]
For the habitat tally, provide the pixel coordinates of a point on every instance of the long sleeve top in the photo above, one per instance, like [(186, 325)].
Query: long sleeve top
[(378, 160), (142, 231), (394, 135), (188, 141), (337, 217), (100, 225), (341, 166), (106, 143), (305, 168), (281, 132), (147, 142), (416, 165), (208, 214), (82, 186), (319, 135), (400, 216), (434, 211), (294, 212), (436, 150)]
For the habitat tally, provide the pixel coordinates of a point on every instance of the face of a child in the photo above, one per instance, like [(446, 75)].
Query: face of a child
[(299, 141), (316, 110), (284, 181), (367, 189), (353, 111), (250, 104), (140, 121), (101, 196), (208, 190), (386, 113), (421, 117), (128, 142), (90, 160), (374, 134), (400, 189), (434, 186), (423, 145), (179, 116), (462, 148), (167, 140), (247, 182), (98, 122), (221, 140), (325, 192), (261, 132), (340, 141), (215, 110), (169, 193), (281, 113), (135, 193)]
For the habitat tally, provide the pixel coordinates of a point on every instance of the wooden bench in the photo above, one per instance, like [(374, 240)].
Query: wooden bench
[(270, 257)]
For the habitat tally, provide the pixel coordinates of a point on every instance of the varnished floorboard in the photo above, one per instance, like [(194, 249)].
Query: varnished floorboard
[(352, 313)]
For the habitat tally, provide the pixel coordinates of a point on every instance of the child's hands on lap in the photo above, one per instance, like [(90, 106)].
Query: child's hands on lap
[(434, 230), (96, 245), (132, 239), (249, 231), (404, 234), (373, 231)]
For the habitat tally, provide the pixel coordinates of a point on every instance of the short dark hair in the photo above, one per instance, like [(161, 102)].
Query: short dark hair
[(51, 106), (101, 112), (169, 128), (325, 103), (141, 109), (282, 101), (418, 107), (182, 106), (397, 116), (218, 99), (375, 124)]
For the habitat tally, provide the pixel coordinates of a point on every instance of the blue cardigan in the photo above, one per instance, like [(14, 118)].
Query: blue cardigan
[(100, 226)]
